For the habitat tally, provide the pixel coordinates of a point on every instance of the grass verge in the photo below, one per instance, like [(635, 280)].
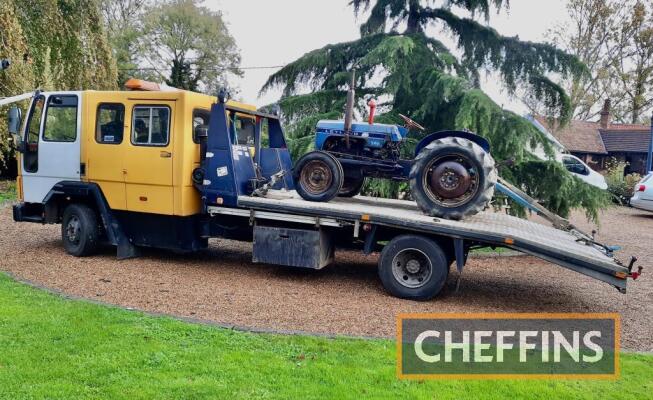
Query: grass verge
[(51, 347)]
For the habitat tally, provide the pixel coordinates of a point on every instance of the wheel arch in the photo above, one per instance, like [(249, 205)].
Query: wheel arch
[(481, 141), (63, 194), (72, 192)]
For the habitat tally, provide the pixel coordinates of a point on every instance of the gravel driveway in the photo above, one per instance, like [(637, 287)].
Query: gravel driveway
[(221, 284)]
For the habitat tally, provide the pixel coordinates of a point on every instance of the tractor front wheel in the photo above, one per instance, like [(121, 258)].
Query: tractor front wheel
[(318, 176), (453, 178)]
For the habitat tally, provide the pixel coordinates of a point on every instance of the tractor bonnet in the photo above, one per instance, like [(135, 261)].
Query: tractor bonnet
[(362, 129)]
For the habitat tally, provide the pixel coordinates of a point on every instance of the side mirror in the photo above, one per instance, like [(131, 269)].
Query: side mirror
[(200, 135), (14, 118), (200, 132)]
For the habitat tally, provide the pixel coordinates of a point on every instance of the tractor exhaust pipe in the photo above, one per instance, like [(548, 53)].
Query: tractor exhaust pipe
[(349, 108)]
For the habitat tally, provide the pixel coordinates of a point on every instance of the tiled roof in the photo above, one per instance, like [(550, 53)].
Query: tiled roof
[(588, 137), (577, 136), (628, 127), (626, 140)]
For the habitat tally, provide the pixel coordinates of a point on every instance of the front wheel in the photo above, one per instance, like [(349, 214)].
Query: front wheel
[(453, 178), (413, 267), (80, 230), (318, 176)]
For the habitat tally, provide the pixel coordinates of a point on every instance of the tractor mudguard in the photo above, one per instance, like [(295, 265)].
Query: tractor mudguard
[(485, 145)]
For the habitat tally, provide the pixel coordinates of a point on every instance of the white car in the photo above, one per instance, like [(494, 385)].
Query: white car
[(577, 167), (643, 197)]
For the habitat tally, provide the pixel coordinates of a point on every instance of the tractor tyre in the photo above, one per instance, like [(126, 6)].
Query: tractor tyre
[(351, 187), (318, 176), (453, 178)]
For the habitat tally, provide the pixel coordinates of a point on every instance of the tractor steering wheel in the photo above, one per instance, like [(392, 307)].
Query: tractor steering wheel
[(411, 124)]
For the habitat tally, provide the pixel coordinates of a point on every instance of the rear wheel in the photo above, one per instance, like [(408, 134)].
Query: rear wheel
[(318, 176), (80, 230), (413, 267), (453, 178), (351, 187)]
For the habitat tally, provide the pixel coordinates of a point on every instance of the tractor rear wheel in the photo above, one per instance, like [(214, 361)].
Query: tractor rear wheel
[(351, 186), (318, 176), (453, 178)]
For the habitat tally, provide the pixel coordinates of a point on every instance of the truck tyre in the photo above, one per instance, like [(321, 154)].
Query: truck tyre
[(318, 176), (453, 178), (80, 230), (351, 187), (413, 267)]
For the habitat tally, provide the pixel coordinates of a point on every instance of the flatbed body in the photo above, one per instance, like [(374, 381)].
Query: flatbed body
[(484, 229)]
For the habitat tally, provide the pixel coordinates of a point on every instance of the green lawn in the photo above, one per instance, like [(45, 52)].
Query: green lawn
[(7, 191), (486, 251), (52, 347)]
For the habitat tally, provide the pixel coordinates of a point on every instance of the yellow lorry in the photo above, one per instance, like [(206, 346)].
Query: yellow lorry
[(171, 169)]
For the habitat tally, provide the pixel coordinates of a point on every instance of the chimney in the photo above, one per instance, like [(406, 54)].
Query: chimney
[(605, 115)]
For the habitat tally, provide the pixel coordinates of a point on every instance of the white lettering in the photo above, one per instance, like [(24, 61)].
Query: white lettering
[(419, 350), (545, 346), (449, 345), (598, 351), (501, 343), (524, 345), (559, 340), (479, 346)]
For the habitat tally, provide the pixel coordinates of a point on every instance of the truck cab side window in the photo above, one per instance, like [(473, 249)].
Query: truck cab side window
[(61, 119), (31, 159), (241, 129), (110, 123), (151, 126), (245, 130), (200, 118)]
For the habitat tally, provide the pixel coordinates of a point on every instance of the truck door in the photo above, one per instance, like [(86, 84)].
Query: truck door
[(52, 138), (148, 160), (105, 151)]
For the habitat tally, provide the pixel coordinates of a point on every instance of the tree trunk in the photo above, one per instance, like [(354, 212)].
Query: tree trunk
[(638, 101), (413, 25), (176, 79)]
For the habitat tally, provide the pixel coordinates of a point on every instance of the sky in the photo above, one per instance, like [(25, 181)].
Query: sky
[(276, 32)]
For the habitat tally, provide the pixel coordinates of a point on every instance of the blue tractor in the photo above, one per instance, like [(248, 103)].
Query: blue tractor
[(452, 174)]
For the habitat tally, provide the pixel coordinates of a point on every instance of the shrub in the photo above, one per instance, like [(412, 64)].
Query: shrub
[(620, 186)]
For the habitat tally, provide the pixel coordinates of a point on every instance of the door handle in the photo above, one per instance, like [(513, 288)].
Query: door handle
[(166, 154)]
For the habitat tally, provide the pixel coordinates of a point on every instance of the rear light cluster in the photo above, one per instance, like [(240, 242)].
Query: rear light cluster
[(641, 188)]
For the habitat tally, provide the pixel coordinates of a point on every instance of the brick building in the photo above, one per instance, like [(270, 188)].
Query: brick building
[(596, 142)]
